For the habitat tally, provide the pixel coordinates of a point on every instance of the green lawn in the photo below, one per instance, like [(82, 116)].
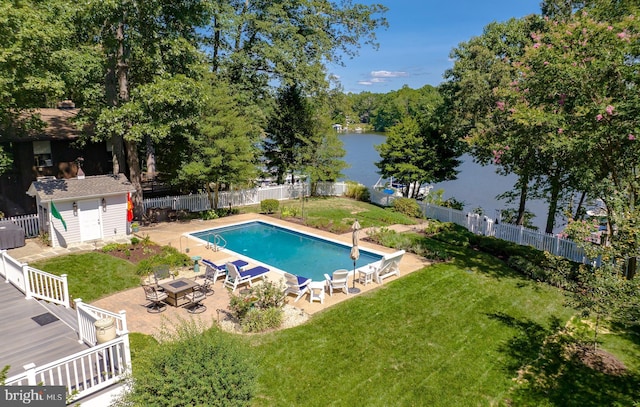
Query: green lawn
[(337, 214), (92, 275), (441, 336)]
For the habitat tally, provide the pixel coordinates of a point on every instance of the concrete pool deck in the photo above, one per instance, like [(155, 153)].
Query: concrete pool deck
[(175, 234)]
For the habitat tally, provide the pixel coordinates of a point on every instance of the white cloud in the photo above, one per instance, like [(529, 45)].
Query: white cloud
[(378, 80), (388, 74), (365, 83)]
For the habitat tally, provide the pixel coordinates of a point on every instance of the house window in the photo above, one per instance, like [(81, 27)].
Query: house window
[(42, 153)]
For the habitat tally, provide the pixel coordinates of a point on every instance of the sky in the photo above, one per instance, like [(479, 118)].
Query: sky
[(414, 49)]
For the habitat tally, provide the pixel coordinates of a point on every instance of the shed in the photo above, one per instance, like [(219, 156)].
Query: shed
[(83, 209)]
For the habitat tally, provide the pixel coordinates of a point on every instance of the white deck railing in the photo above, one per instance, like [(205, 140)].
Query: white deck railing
[(82, 373), (34, 283), (88, 315)]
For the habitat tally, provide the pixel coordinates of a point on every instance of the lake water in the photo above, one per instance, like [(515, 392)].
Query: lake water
[(476, 186)]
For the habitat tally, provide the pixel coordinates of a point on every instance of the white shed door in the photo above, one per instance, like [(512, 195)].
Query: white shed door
[(90, 227)]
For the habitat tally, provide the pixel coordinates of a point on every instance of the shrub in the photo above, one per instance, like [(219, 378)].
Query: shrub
[(209, 215), (169, 255), (357, 191), (407, 206), (208, 368), (269, 205), (258, 320), (260, 307), (289, 212)]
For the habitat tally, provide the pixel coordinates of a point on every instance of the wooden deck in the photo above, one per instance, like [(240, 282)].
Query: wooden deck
[(23, 340)]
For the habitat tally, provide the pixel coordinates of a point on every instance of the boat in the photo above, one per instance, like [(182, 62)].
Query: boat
[(395, 188)]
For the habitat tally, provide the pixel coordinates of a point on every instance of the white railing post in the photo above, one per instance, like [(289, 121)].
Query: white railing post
[(27, 284), (78, 304), (65, 291), (123, 316), (31, 373)]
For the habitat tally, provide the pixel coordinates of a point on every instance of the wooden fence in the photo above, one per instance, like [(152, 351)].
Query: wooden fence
[(484, 225)]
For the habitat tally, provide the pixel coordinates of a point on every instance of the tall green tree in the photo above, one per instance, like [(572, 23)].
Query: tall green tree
[(255, 42), (223, 151), (475, 107), (289, 134), (144, 43)]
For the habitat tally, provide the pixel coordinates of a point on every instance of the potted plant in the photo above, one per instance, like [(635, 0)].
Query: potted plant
[(135, 226)]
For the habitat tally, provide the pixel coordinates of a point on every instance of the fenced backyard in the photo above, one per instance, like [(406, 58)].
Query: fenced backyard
[(474, 222)]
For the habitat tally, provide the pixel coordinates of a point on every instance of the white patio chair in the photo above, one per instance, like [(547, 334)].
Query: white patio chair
[(296, 285), (339, 280), (387, 267)]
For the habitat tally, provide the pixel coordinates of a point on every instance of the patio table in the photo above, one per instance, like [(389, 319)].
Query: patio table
[(177, 290)]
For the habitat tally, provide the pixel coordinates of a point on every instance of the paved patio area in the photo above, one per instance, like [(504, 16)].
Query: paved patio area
[(176, 234)]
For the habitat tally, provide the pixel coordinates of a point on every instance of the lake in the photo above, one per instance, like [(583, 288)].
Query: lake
[(476, 186)]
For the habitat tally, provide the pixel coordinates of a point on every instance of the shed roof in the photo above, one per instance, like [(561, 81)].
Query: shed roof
[(73, 188)]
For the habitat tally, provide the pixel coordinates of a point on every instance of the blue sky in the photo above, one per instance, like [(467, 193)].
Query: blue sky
[(415, 49)]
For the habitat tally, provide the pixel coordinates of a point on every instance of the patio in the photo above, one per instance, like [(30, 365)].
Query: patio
[(134, 303)]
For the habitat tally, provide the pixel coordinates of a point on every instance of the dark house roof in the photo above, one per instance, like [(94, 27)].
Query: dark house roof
[(76, 188), (58, 125)]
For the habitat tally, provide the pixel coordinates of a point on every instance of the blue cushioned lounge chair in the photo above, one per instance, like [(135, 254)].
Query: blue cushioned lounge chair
[(236, 277)]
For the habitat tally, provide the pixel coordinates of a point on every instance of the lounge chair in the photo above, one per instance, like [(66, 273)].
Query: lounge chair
[(339, 280), (214, 271), (155, 298), (236, 277), (296, 285), (387, 267)]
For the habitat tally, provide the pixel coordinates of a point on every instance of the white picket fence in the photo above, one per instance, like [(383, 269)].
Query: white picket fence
[(486, 226), (29, 223), (200, 202)]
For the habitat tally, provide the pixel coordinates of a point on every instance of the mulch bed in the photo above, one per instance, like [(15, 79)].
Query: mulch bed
[(136, 253)]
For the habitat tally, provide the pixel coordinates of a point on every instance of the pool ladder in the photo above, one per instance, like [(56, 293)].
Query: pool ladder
[(217, 243)]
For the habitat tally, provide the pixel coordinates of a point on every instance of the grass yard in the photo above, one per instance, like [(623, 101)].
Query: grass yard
[(337, 214), (92, 275), (442, 336), (454, 334)]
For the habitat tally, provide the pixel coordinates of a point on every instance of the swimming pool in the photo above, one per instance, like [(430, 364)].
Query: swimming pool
[(287, 249)]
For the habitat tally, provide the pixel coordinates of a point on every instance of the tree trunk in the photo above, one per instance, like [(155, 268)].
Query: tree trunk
[(119, 163), (632, 266), (524, 189), (151, 159), (134, 177), (553, 204), (117, 147), (579, 208)]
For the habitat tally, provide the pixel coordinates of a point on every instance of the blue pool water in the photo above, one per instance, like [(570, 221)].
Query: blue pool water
[(288, 250)]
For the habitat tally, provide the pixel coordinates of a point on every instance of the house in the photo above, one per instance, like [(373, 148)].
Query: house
[(50, 152), (84, 208)]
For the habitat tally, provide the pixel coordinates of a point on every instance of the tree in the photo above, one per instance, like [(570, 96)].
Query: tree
[(256, 43), (223, 149), (289, 134), (206, 367), (475, 109), (41, 63), (416, 153), (142, 43)]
